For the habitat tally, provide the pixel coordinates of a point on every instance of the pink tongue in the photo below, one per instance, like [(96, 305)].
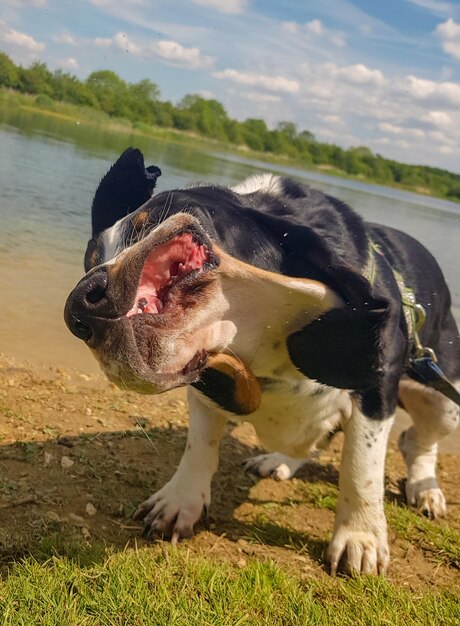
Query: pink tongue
[(177, 257)]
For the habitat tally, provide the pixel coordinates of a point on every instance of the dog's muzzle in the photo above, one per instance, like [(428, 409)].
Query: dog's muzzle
[(88, 310), (153, 316)]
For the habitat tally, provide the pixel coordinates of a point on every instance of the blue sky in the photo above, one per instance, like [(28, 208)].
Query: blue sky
[(381, 73)]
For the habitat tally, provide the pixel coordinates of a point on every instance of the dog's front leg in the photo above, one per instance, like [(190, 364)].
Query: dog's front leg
[(360, 530), (174, 510)]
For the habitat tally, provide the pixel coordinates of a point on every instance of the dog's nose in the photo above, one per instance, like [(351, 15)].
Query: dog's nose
[(86, 305)]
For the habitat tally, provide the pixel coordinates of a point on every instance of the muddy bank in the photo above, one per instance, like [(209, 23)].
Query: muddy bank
[(77, 455)]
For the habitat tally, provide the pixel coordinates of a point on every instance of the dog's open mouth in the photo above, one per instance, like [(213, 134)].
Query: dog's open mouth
[(168, 266)]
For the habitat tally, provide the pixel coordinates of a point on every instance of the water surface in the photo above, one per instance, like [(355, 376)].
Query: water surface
[(49, 170)]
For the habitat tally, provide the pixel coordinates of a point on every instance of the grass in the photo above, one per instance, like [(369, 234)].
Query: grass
[(439, 539), (161, 585)]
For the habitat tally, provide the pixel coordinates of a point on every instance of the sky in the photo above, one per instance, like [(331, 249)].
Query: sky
[(379, 73)]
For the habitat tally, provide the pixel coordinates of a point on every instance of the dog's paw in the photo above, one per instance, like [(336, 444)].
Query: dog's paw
[(427, 497), (173, 511), (358, 551), (276, 465)]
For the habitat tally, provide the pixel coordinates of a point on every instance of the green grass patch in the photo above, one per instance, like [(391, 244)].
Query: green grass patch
[(437, 538), (321, 495), (160, 585)]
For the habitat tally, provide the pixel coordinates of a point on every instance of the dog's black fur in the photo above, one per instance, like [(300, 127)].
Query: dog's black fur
[(302, 232)]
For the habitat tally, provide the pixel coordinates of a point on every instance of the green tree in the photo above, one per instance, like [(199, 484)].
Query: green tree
[(256, 134), (68, 88), (9, 75), (307, 136), (140, 99), (208, 115), (36, 79), (289, 129), (110, 92)]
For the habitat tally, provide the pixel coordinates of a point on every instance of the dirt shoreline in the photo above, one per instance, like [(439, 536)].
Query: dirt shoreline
[(77, 455)]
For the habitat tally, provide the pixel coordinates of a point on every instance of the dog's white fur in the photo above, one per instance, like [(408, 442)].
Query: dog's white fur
[(266, 183)]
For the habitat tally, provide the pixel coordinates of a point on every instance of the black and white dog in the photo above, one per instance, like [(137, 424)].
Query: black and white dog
[(307, 298)]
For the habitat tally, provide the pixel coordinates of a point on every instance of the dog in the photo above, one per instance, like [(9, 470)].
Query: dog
[(277, 304)]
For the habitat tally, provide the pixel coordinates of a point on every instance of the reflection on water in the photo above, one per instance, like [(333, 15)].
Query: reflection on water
[(49, 169)]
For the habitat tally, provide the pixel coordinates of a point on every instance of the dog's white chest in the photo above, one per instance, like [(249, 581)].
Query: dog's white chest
[(295, 415)]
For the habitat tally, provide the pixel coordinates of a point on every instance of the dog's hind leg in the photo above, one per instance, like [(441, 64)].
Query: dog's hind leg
[(282, 467), (434, 417), (274, 464)]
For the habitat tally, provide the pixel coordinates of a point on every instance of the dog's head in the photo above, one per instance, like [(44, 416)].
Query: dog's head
[(175, 278), (150, 306)]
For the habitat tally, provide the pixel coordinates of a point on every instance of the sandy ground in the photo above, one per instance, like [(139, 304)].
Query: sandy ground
[(77, 455)]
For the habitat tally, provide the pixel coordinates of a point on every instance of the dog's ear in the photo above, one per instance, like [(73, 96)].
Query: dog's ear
[(125, 187), (342, 348)]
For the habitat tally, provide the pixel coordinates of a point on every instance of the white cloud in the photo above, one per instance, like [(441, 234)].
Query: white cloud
[(440, 119), (292, 28), (334, 120), (444, 92), (441, 137), (122, 42), (108, 3), (65, 38), (361, 74), (175, 53), (70, 63), (315, 30), (315, 27), (205, 93), (382, 141), (260, 97), (224, 6), (435, 6), (449, 33), (271, 83), (22, 40), (169, 51), (103, 42), (401, 130), (408, 118), (17, 4)]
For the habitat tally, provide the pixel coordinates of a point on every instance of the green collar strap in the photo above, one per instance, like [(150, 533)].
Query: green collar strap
[(423, 362), (414, 313)]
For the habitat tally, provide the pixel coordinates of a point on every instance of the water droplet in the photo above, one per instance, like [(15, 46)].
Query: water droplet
[(142, 303)]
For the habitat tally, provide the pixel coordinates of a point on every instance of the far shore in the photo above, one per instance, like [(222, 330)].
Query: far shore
[(92, 118)]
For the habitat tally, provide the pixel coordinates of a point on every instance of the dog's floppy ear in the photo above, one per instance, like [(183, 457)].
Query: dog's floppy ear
[(342, 348), (125, 187)]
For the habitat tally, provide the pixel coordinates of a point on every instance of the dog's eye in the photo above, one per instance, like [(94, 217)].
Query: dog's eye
[(92, 255)]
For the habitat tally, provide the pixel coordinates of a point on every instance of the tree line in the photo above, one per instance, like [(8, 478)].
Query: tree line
[(141, 103)]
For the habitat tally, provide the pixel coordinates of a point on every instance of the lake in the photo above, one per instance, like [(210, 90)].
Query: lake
[(49, 170)]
